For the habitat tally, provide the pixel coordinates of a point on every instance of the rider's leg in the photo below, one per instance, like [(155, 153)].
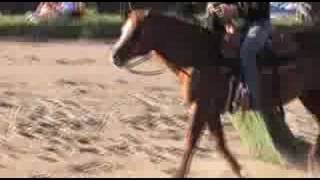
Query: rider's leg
[(254, 42)]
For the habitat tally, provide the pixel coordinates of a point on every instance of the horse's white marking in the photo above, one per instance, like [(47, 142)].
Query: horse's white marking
[(126, 32)]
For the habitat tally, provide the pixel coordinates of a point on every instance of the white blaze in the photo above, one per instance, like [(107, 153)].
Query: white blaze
[(126, 33)]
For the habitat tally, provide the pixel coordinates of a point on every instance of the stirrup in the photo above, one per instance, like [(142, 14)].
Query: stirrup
[(241, 97)]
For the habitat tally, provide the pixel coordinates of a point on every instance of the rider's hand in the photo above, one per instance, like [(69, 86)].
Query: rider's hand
[(230, 28), (223, 10)]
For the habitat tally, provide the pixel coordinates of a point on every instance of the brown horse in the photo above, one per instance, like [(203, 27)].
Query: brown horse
[(187, 48)]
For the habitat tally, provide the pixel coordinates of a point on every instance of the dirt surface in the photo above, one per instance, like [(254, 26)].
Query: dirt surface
[(65, 111)]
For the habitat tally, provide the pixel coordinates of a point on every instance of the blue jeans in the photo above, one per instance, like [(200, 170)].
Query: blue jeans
[(68, 7), (254, 41)]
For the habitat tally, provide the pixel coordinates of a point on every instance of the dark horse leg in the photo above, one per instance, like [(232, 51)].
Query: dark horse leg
[(216, 130), (206, 112), (197, 125), (311, 100), (199, 111), (276, 92)]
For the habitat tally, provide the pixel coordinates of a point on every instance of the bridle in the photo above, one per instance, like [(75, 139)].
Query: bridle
[(140, 60)]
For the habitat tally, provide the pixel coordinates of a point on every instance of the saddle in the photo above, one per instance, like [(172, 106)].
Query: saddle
[(279, 52)]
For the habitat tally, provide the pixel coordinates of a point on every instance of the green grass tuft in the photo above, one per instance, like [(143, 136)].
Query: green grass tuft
[(254, 133)]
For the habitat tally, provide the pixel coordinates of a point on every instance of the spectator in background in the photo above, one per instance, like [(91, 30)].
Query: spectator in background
[(67, 8), (80, 9), (44, 11), (71, 8), (51, 10)]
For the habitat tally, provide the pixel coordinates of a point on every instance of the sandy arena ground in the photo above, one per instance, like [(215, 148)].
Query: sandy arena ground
[(65, 111)]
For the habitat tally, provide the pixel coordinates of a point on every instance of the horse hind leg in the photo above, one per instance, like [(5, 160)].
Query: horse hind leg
[(311, 100), (313, 160), (216, 130), (278, 107), (197, 125)]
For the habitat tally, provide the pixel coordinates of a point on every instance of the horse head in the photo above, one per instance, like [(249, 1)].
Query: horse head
[(135, 39)]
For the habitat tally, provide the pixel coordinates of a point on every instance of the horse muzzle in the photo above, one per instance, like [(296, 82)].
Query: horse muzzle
[(117, 61)]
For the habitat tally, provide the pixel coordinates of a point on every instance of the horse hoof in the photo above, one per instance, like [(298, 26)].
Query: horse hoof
[(243, 174), (309, 175), (312, 175), (179, 175)]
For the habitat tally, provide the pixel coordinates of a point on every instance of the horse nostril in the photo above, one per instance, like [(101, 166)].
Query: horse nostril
[(114, 57), (116, 60), (117, 63)]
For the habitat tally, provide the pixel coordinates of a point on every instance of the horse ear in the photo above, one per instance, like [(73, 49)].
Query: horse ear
[(129, 11), (147, 12)]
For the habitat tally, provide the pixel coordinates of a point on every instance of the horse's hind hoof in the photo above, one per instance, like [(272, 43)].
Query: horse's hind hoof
[(179, 175), (309, 175), (243, 174)]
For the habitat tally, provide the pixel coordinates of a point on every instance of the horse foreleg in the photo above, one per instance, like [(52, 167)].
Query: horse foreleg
[(189, 79), (184, 84), (216, 130), (311, 100), (194, 133)]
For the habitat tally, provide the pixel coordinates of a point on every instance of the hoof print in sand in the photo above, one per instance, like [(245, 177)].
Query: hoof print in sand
[(32, 58), (47, 158), (94, 167), (84, 61), (121, 81)]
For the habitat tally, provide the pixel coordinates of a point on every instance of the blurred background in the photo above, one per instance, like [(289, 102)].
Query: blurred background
[(99, 19), (104, 19)]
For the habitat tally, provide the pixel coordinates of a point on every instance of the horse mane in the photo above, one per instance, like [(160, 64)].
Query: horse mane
[(137, 16)]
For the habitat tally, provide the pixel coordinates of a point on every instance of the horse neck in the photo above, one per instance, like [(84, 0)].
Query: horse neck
[(174, 41)]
